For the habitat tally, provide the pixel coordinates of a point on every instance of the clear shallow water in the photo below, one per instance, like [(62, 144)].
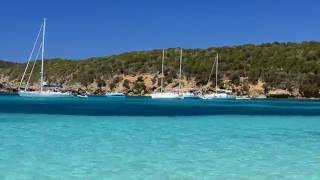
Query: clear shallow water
[(35, 145)]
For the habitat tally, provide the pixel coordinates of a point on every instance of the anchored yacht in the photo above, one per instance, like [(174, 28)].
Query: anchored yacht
[(219, 93), (41, 92), (168, 95)]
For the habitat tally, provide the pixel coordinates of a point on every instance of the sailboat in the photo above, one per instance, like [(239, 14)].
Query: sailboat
[(167, 95), (219, 93), (41, 92)]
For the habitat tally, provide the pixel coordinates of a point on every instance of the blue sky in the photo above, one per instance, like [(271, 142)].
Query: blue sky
[(81, 29)]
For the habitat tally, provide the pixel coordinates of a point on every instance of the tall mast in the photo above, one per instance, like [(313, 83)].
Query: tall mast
[(211, 72), (162, 74), (30, 57), (217, 64), (42, 53), (34, 64), (180, 74)]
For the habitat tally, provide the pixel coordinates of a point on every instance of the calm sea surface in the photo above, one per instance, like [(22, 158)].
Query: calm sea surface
[(140, 138)]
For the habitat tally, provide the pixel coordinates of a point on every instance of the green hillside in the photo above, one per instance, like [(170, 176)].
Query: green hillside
[(280, 65), (6, 64)]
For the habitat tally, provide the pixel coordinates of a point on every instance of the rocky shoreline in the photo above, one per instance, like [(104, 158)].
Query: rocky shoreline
[(144, 85)]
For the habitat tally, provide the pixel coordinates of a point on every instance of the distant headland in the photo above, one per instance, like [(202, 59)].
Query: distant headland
[(270, 69)]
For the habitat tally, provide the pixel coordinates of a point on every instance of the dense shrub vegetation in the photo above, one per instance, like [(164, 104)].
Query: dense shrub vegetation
[(5, 64), (281, 65)]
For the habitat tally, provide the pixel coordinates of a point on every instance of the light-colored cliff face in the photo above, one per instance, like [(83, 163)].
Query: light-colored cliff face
[(279, 92), (4, 80), (256, 90), (149, 83), (131, 79)]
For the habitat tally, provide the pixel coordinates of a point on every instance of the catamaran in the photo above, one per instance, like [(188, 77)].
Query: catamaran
[(168, 95), (41, 92), (219, 93)]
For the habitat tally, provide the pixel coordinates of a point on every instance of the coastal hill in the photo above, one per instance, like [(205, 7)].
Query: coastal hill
[(275, 69), (6, 64)]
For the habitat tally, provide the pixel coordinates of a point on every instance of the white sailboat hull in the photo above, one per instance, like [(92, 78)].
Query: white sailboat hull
[(217, 96), (243, 98), (82, 96), (166, 96), (189, 95), (43, 94), (115, 94)]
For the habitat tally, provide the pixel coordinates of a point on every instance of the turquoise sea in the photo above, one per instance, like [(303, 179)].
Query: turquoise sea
[(140, 138)]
